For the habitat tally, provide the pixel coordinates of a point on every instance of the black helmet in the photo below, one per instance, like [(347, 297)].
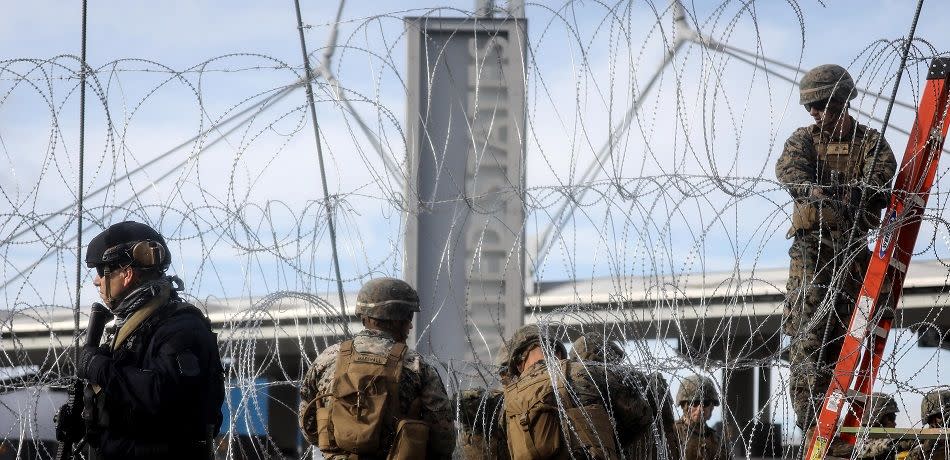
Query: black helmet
[(129, 244), (387, 299)]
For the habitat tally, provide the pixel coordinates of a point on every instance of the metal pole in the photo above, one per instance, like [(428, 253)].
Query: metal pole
[(323, 174), (79, 189)]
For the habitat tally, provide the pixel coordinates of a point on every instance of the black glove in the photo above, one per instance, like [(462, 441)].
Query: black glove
[(93, 362), (69, 425)]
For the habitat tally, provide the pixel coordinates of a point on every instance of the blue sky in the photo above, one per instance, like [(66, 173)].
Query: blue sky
[(243, 215)]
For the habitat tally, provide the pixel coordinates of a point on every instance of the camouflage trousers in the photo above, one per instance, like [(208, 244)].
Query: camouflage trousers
[(824, 279)]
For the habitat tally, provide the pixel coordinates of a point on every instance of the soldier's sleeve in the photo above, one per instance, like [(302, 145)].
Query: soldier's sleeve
[(878, 171), (796, 167), (437, 412), (873, 447), (316, 381)]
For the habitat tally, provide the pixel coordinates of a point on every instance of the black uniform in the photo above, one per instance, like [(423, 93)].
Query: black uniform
[(161, 383)]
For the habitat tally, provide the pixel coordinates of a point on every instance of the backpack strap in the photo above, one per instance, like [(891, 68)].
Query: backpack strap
[(344, 357), (394, 372), (394, 360)]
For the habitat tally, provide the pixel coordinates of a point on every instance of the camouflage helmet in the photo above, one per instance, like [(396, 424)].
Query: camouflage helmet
[(387, 299), (936, 402), (697, 388), (879, 405), (501, 359), (828, 81), (524, 339), (593, 346)]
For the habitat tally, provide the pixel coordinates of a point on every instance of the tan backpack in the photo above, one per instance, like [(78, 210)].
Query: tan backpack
[(362, 413), (534, 422)]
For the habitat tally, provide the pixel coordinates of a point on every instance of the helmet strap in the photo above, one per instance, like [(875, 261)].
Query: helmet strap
[(106, 275)]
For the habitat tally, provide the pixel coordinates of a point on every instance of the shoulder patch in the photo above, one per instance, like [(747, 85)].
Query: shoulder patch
[(188, 364)]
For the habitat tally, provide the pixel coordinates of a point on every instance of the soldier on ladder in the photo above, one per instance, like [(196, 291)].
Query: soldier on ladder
[(825, 167), (861, 349)]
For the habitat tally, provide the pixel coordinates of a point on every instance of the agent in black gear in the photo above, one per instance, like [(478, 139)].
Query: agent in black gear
[(156, 387)]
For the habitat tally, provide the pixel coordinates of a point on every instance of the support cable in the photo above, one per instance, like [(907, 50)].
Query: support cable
[(687, 33), (323, 174), (257, 108), (682, 33), (222, 136)]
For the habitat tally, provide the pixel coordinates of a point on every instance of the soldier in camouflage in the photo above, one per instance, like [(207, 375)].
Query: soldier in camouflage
[(881, 412), (481, 415), (652, 390), (697, 396), (933, 410), (386, 306), (838, 173), (587, 403)]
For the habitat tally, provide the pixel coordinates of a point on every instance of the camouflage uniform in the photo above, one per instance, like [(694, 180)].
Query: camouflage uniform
[(419, 380), (936, 403), (700, 442), (882, 406), (651, 391), (388, 299), (481, 414), (827, 269), (585, 384), (931, 449), (697, 440), (594, 347), (483, 411)]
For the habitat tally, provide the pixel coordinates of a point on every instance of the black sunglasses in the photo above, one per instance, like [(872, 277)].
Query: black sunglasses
[(822, 105), (706, 403), (101, 269)]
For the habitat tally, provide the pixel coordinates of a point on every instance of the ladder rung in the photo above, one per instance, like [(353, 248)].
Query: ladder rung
[(856, 395), (915, 200), (898, 265), (880, 332), (897, 433)]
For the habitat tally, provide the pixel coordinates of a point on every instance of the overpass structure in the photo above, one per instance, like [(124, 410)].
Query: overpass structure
[(729, 320)]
